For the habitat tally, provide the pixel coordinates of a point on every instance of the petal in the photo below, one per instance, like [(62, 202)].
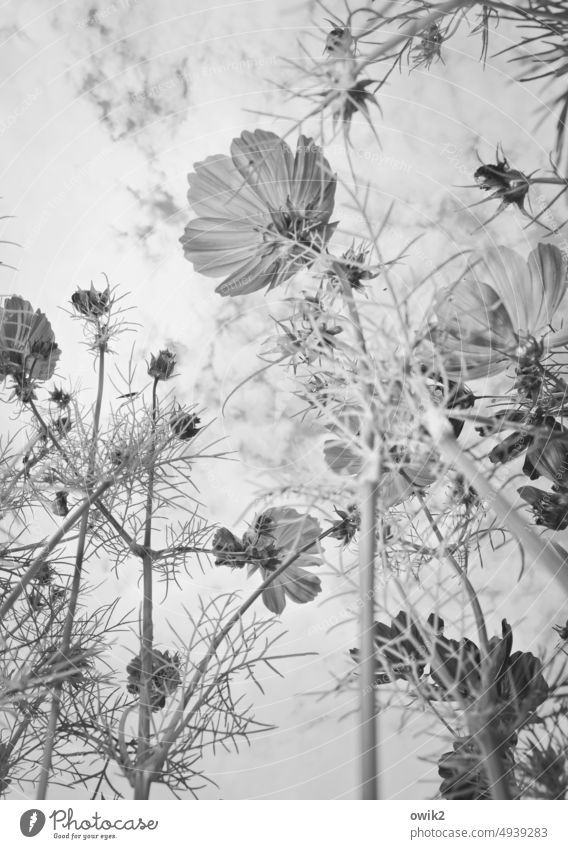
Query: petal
[(274, 598), (217, 247), (292, 530), (217, 190), (258, 272), (299, 585), (266, 163), (313, 183), (341, 458), (547, 269)]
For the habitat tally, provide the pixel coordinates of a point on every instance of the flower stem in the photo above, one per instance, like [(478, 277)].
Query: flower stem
[(142, 780), (368, 495), (180, 721), (67, 633)]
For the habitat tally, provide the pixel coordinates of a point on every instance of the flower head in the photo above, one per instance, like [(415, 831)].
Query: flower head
[(28, 351), (506, 183), (90, 302), (184, 425), (275, 535), (263, 212), (165, 677), (162, 366), (502, 311)]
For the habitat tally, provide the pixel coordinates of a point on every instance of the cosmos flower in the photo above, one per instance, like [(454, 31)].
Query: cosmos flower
[(503, 310), (28, 350), (276, 533), (263, 212)]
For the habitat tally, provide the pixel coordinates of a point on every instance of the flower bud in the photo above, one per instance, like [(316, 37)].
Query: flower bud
[(59, 504), (185, 425), (90, 302), (162, 366)]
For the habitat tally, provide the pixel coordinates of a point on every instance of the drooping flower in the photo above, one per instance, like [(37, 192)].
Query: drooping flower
[(263, 212), (28, 351), (550, 509), (276, 534), (502, 311), (401, 650)]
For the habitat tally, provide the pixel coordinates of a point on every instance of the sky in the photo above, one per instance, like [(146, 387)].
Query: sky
[(105, 108)]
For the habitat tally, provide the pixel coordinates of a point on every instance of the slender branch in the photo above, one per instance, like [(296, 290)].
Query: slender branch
[(179, 722), (368, 489), (67, 633)]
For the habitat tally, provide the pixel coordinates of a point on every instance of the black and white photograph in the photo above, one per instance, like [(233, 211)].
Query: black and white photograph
[(284, 419)]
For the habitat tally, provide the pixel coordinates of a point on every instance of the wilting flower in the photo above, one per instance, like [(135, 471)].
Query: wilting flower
[(549, 508), (548, 455), (184, 425), (275, 535), (60, 397), (28, 351), (502, 311), (463, 771), (402, 652), (263, 212), (90, 302), (164, 681), (162, 366), (59, 504)]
